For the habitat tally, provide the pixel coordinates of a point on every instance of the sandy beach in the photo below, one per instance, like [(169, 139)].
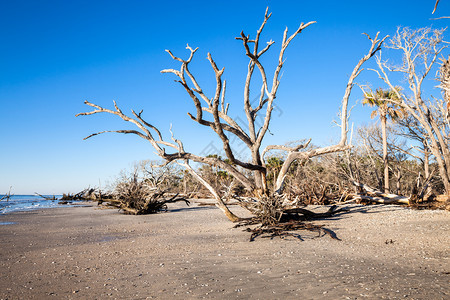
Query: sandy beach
[(384, 252)]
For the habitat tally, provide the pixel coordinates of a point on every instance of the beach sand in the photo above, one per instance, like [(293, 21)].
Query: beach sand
[(385, 252)]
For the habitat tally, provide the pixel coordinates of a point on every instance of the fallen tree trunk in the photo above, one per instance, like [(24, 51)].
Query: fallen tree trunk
[(46, 197), (379, 196), (382, 200), (151, 205)]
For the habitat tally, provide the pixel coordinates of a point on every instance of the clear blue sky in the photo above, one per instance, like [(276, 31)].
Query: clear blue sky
[(56, 54)]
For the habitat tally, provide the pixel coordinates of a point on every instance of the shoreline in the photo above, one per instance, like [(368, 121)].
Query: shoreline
[(194, 252), (22, 203)]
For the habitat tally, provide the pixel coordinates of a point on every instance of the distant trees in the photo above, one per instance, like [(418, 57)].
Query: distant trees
[(420, 50)]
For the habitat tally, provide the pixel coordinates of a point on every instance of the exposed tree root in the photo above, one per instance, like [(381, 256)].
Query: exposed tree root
[(291, 221)]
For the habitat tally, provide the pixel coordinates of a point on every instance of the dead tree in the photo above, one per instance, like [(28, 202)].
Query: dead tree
[(135, 195), (421, 49), (7, 196), (159, 175), (212, 112)]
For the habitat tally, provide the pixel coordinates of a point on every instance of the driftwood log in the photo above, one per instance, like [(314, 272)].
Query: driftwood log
[(152, 204), (46, 197), (378, 196)]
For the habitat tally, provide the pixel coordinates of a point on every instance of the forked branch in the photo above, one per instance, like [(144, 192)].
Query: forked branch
[(158, 144), (342, 145)]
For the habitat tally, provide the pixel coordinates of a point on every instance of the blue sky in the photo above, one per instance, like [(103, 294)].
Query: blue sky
[(56, 54)]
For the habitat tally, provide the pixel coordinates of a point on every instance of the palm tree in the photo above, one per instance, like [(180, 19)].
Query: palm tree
[(386, 103), (273, 166)]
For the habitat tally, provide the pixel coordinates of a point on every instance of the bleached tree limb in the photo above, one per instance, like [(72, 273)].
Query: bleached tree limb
[(435, 6), (158, 144), (285, 148), (220, 203), (342, 145), (446, 17)]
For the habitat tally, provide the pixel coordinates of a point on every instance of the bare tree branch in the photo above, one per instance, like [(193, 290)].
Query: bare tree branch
[(342, 145)]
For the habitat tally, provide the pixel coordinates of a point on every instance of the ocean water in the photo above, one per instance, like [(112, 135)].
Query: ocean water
[(27, 202)]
